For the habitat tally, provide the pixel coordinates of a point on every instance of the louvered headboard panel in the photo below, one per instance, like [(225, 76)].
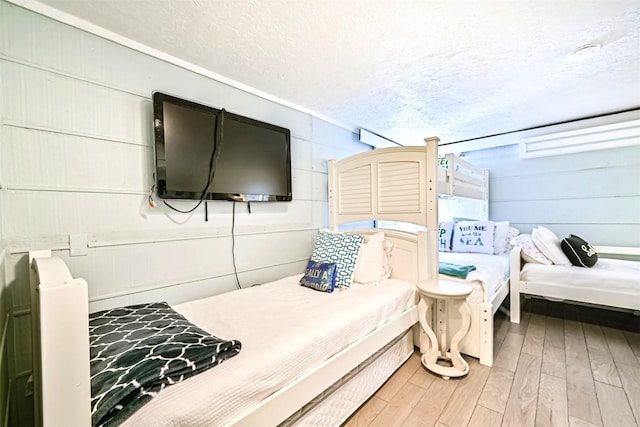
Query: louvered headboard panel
[(393, 184)]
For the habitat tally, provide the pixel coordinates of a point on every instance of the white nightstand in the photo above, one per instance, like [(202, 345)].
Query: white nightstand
[(438, 292)]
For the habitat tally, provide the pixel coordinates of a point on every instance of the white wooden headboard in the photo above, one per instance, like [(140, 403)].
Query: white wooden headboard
[(389, 184)]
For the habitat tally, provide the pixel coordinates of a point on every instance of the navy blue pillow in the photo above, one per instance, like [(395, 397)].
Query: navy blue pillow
[(579, 252), (320, 276)]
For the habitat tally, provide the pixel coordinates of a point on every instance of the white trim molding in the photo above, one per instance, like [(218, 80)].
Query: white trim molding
[(615, 135)]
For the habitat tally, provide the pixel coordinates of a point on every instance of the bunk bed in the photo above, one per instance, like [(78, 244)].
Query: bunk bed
[(463, 188), (465, 184), (610, 283), (459, 178)]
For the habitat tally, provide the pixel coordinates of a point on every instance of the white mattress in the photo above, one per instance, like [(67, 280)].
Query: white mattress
[(491, 271), (612, 274), (285, 329)]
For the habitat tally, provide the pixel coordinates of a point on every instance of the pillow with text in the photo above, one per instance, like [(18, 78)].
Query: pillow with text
[(320, 276), (473, 236), (579, 252)]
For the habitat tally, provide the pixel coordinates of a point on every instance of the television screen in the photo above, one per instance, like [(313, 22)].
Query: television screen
[(207, 153)]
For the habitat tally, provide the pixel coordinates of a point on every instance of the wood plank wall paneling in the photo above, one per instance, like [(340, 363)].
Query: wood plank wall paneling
[(593, 194), (76, 157)]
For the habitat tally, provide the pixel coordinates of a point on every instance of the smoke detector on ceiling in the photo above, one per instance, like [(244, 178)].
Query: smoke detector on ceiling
[(585, 52)]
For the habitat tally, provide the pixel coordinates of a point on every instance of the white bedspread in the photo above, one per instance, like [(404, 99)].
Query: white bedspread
[(491, 271), (613, 274), (285, 329)]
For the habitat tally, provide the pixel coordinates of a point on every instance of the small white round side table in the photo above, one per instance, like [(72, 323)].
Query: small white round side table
[(438, 292)]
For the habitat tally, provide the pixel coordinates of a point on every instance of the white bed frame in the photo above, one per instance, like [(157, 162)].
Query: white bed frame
[(395, 184), (63, 339), (62, 304), (566, 292)]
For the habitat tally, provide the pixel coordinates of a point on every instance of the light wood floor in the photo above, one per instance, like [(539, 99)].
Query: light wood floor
[(549, 370)]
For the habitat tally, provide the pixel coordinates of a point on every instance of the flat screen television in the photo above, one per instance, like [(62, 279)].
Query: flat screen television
[(205, 153)]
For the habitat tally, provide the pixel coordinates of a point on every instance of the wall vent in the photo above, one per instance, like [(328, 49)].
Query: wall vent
[(615, 135)]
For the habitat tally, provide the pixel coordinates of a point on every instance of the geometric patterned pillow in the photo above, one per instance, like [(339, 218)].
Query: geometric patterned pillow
[(340, 248)]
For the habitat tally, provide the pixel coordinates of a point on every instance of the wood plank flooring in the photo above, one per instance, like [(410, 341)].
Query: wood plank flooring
[(563, 365)]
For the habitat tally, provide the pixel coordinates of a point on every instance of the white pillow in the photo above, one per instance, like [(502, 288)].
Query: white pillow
[(445, 232), (528, 250), (369, 264), (473, 236), (500, 237), (549, 245)]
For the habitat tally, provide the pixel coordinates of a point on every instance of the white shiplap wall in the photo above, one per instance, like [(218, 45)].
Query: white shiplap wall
[(76, 158), (5, 311), (594, 195)]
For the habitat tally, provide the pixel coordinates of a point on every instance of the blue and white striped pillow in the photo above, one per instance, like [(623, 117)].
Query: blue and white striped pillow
[(339, 248)]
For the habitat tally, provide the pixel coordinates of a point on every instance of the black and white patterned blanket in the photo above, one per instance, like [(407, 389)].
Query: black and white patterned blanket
[(138, 350)]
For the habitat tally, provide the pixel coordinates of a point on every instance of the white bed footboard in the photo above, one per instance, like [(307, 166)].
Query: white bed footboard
[(61, 343)]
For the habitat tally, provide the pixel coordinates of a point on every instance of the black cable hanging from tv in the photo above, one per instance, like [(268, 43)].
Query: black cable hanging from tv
[(233, 245), (213, 160)]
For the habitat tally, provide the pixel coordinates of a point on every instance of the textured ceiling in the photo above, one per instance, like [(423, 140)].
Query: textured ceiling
[(402, 69)]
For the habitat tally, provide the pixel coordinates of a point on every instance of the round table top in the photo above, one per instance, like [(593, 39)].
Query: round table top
[(439, 288)]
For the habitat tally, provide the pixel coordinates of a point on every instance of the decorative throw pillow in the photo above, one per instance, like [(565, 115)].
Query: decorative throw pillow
[(529, 252), (320, 276), (387, 259), (445, 232), (549, 245), (511, 233), (500, 237), (341, 248), (473, 236), (579, 252), (369, 264)]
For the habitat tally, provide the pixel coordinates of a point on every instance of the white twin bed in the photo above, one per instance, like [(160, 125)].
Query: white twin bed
[(612, 283), (307, 357)]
